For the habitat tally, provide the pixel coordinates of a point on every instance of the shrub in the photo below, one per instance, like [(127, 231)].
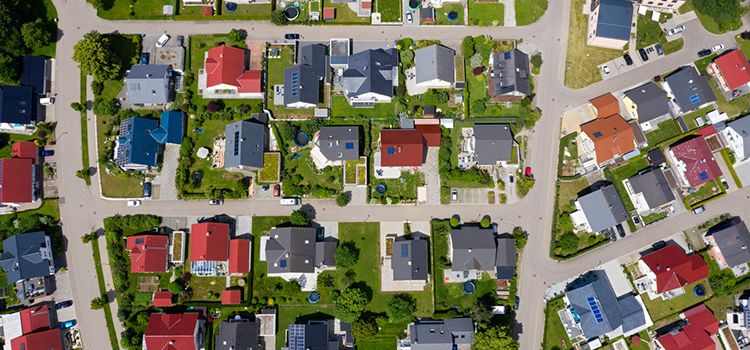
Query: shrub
[(343, 198), (485, 222), (401, 308), (97, 87), (76, 106), (351, 304), (106, 106), (99, 302), (364, 328), (454, 221), (347, 255)]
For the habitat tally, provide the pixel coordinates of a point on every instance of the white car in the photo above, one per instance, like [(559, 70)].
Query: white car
[(409, 17), (290, 201), (676, 30), (717, 48), (162, 40), (134, 203), (605, 69), (47, 101)]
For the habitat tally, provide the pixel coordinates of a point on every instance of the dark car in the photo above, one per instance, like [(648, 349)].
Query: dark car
[(291, 36), (147, 190), (144, 58), (48, 153), (216, 202), (644, 55), (659, 50), (659, 245), (704, 52), (628, 59), (63, 304), (180, 40), (612, 235), (620, 230), (516, 303)]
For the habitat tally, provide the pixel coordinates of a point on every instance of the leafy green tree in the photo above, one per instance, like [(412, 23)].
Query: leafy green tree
[(278, 18), (536, 60), (76, 106), (343, 198), (726, 13), (106, 106), (455, 221), (10, 68), (236, 34), (83, 174), (98, 4), (467, 46), (364, 328), (568, 242), (407, 57), (36, 34), (520, 236), (99, 302), (299, 218), (95, 56), (401, 308), (351, 304), (492, 338), (485, 222), (347, 255), (89, 237)]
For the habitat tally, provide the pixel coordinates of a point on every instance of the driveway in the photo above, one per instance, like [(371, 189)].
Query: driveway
[(167, 187), (472, 195), (743, 172), (432, 177), (64, 293)]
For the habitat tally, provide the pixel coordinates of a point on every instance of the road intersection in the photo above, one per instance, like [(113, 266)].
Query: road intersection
[(82, 208)]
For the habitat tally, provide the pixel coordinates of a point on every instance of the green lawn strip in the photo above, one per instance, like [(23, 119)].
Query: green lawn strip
[(441, 14), (654, 217), (486, 13), (672, 46), (103, 290), (743, 44), (660, 309), (390, 10), (664, 131), (730, 165), (554, 332), (706, 193), (529, 11), (84, 131), (289, 314), (123, 9), (344, 14), (248, 12), (691, 118)]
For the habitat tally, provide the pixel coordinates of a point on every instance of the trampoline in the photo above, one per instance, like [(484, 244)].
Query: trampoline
[(452, 16), (291, 13), (699, 291), (313, 297), (413, 4), (230, 6), (469, 287), (197, 178), (380, 189), (301, 139)]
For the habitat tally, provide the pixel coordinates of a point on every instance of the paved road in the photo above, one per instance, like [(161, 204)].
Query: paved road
[(82, 209)]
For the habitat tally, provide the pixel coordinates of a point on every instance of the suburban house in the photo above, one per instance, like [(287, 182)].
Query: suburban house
[(296, 253), (150, 84), (738, 323), (608, 139), (210, 253), (729, 242), (319, 334), (225, 75), (697, 331), (36, 74), (452, 333), (148, 253), (688, 89), (435, 67), (509, 76), (666, 271), (33, 328), (410, 260), (474, 250), (239, 333), (599, 210), (142, 139), (185, 331), (493, 144), (18, 108), (338, 143), (239, 256), (163, 299), (595, 310), (610, 23), (27, 256), (244, 144), (407, 147), (605, 105), (693, 162), (649, 191), (736, 135), (368, 77), (731, 70), (666, 6), (20, 175), (648, 104), (304, 82), (364, 7)]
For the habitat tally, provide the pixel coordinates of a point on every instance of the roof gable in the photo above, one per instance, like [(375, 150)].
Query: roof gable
[(225, 65), (434, 62), (209, 241), (612, 137), (402, 147), (606, 105), (695, 161), (17, 105), (603, 208), (244, 145), (733, 240), (615, 17), (291, 249), (23, 256), (650, 101), (239, 256), (16, 180), (148, 253), (674, 269), (734, 68), (690, 89)]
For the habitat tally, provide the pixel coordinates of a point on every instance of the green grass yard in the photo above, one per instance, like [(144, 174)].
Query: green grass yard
[(486, 13), (664, 131), (390, 10), (330, 177), (141, 9), (344, 14), (404, 188), (248, 12), (617, 175), (660, 309), (554, 332), (529, 11), (743, 44), (706, 192), (441, 14)]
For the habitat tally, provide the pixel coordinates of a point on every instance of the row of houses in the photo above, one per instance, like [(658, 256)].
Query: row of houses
[(610, 22), (20, 107)]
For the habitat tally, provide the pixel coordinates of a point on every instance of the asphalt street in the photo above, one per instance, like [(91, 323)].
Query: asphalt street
[(82, 209)]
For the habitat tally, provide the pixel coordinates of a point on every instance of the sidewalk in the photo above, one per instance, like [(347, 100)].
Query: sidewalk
[(109, 286)]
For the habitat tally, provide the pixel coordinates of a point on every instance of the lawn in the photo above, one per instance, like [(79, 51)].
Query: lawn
[(660, 309), (340, 107), (708, 22), (486, 13), (568, 162), (271, 172), (399, 190), (554, 332), (390, 10), (568, 193), (321, 183), (743, 44), (529, 11), (141, 9), (441, 14), (706, 192), (581, 64), (665, 131), (275, 76), (248, 12), (690, 118), (344, 14), (206, 288), (729, 160), (654, 217), (649, 32), (51, 14), (617, 175)]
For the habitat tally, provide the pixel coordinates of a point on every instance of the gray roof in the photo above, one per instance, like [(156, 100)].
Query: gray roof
[(409, 260), (505, 258), (314, 56), (302, 83), (597, 297), (244, 145), (690, 89), (473, 248), (435, 62), (325, 253), (511, 72), (494, 143), (650, 100), (371, 71), (149, 83), (615, 17), (733, 239), (742, 127), (238, 335), (339, 142), (603, 208), (22, 256), (654, 187), (318, 335), (294, 249), (430, 334)]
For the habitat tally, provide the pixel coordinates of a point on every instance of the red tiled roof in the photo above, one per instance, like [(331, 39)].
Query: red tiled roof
[(50, 339), (16, 180), (734, 68), (148, 253), (231, 296), (25, 149), (707, 130), (696, 335), (612, 137), (431, 134), (606, 105), (163, 299), (365, 4), (329, 13), (34, 318), (674, 269), (226, 65), (401, 147), (239, 256), (209, 241), (700, 165), (171, 331)]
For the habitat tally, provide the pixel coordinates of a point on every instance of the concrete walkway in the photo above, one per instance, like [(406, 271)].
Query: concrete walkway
[(509, 13)]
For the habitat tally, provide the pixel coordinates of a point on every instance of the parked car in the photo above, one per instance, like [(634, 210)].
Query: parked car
[(644, 55), (291, 36), (612, 234), (620, 230), (659, 50), (67, 324), (717, 48), (134, 203), (216, 202), (704, 52), (48, 153), (180, 40), (276, 190), (605, 69), (725, 183), (675, 30), (144, 58), (47, 101), (658, 245), (510, 178), (290, 201), (454, 195), (699, 210), (63, 304), (527, 172), (516, 303), (409, 17), (628, 59), (163, 39)]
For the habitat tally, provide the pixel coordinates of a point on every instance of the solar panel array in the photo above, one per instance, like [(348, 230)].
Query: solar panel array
[(297, 337), (295, 83), (404, 250), (694, 99), (595, 309)]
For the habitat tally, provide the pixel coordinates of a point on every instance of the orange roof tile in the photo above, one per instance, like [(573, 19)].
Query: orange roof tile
[(612, 137)]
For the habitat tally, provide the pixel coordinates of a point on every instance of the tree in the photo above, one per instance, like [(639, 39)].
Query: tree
[(467, 46), (299, 218), (97, 87), (485, 222), (106, 106), (536, 60), (236, 34), (36, 34), (347, 254), (98, 4), (495, 337), (568, 242), (95, 56), (76, 106), (351, 304), (520, 236), (401, 308), (343, 198), (726, 13), (278, 18), (10, 68), (83, 173), (407, 57), (364, 328), (455, 221), (89, 237), (99, 302)]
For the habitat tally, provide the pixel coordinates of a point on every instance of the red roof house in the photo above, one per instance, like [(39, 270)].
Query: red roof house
[(209, 241), (225, 69), (612, 137), (163, 299), (696, 335), (25, 149), (34, 318), (173, 331), (239, 256), (694, 162), (329, 13), (16, 180), (402, 147), (50, 339), (431, 134), (605, 105), (231, 297), (674, 269), (148, 253), (731, 70)]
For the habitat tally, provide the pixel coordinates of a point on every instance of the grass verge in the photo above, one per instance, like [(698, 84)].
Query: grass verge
[(103, 290)]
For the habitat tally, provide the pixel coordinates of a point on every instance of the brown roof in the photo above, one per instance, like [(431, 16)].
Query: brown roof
[(612, 137), (606, 105)]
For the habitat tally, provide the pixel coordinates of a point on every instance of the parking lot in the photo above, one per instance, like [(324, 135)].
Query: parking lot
[(618, 65)]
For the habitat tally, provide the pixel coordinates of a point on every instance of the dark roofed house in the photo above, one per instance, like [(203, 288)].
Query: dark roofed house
[(601, 209), (494, 143), (610, 23), (649, 190), (17, 107), (339, 143), (509, 78), (435, 67), (648, 103), (303, 82), (505, 258), (370, 77), (690, 90), (245, 142), (428, 334), (239, 334), (427, 14), (410, 260), (26, 256), (477, 249), (35, 74), (730, 243), (319, 335), (150, 84), (136, 148), (173, 125), (296, 250)]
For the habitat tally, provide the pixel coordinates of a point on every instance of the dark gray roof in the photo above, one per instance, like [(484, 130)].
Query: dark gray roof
[(238, 335), (409, 260), (315, 56), (473, 248), (244, 145), (427, 334), (599, 309), (733, 239), (22, 256), (511, 72), (149, 83), (325, 253), (615, 19), (317, 335), (339, 142), (371, 71), (603, 208), (301, 85), (650, 100), (494, 143), (505, 258), (654, 187), (435, 62), (742, 127), (690, 89), (294, 249)]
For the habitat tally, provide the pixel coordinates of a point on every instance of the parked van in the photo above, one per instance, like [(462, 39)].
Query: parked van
[(290, 201)]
